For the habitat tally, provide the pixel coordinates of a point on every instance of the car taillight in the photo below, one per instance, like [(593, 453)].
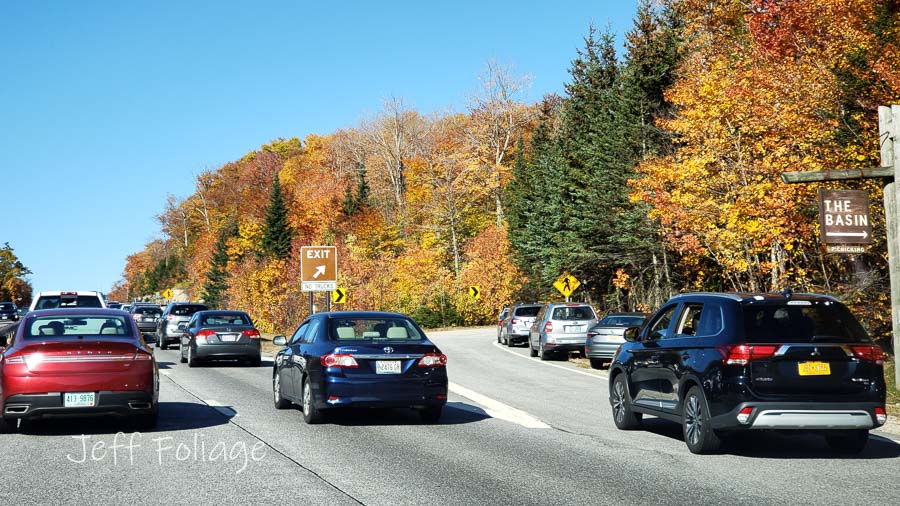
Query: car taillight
[(204, 334), (880, 416), (514, 321), (548, 327), (744, 415), (14, 360), (339, 360), (141, 356), (433, 360), (742, 354), (870, 352), (170, 317), (251, 333)]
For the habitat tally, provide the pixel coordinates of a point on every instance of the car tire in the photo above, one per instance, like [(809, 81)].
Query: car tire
[(255, 362), (431, 415), (542, 353), (280, 401), (596, 363), (847, 442), (696, 424), (8, 425), (499, 341), (623, 416), (183, 359), (531, 351), (509, 341), (191, 359), (163, 345), (146, 422), (311, 414)]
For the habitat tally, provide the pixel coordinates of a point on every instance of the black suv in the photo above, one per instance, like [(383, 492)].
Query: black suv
[(722, 363)]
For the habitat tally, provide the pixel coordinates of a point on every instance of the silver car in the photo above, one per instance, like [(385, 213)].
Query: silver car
[(167, 330), (515, 326), (605, 338), (560, 328)]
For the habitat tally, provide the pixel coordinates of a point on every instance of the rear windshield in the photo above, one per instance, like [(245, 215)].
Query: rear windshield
[(802, 322), (57, 301), (527, 310), (188, 309), (623, 321), (6, 306), (148, 311), (373, 329), (573, 313), (77, 325), (218, 319)]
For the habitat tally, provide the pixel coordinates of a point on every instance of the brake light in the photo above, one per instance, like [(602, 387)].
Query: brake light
[(204, 334), (14, 360), (170, 317), (870, 352), (514, 321), (744, 415), (251, 333), (548, 327), (743, 354), (880, 416), (142, 357), (339, 360), (433, 360)]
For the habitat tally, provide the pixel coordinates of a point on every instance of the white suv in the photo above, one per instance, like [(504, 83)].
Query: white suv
[(53, 300)]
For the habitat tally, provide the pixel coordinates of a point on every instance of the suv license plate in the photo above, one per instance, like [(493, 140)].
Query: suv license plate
[(387, 367), (78, 399), (814, 368), (575, 329)]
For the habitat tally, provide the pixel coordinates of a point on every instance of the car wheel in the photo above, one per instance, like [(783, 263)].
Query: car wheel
[(498, 338), (191, 359), (431, 415), (8, 425), (183, 358), (847, 442), (596, 363), (311, 414), (146, 422), (623, 416), (542, 353), (509, 341), (696, 424), (280, 402), (255, 362), (163, 345), (531, 351)]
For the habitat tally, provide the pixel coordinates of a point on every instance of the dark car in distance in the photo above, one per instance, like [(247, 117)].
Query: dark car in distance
[(720, 364), (604, 338), (8, 312), (359, 359), (146, 316), (220, 335)]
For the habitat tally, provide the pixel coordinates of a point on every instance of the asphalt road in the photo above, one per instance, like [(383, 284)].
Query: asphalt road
[(516, 431)]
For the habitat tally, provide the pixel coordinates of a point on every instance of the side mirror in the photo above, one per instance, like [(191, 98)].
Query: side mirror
[(631, 334), (279, 341)]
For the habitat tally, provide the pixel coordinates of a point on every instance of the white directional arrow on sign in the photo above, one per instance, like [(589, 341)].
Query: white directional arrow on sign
[(847, 234), (320, 271)]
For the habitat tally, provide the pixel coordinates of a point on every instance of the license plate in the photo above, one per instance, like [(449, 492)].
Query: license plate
[(229, 338), (574, 329), (814, 368), (387, 367), (78, 399)]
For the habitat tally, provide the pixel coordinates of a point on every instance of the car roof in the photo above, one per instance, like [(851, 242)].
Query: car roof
[(362, 314), (76, 292), (755, 297), (78, 311), (627, 314)]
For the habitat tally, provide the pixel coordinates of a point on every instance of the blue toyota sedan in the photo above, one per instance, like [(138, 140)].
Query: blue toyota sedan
[(359, 359)]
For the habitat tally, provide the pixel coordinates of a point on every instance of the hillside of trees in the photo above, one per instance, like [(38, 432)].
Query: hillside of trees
[(656, 171)]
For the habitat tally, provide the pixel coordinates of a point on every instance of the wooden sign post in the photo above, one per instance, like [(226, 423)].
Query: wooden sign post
[(889, 141)]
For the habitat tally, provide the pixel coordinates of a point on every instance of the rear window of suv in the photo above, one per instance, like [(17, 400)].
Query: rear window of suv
[(528, 311), (152, 311), (57, 301), (802, 321), (187, 310), (573, 313), (6, 307)]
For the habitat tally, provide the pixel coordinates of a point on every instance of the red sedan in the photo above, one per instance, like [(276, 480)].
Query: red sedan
[(78, 361)]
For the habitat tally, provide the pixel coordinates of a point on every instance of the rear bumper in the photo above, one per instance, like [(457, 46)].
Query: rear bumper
[(802, 416), (602, 350), (346, 392), (38, 405), (224, 351), (147, 328), (553, 347)]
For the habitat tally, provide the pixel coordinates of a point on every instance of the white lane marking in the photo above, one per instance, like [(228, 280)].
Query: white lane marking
[(497, 409), (165, 373), (221, 408), (536, 361)]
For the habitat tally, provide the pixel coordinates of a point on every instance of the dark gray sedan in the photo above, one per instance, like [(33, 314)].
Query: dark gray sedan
[(219, 335), (604, 338)]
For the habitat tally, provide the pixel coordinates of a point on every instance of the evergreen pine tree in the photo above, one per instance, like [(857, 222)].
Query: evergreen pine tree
[(277, 235), (217, 278)]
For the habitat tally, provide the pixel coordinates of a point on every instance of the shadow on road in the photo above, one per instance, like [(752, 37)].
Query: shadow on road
[(455, 413), (173, 416), (776, 445)]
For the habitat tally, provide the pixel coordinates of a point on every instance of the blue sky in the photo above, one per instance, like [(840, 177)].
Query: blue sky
[(107, 106)]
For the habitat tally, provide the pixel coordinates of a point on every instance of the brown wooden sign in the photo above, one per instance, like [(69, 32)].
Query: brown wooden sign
[(844, 221)]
